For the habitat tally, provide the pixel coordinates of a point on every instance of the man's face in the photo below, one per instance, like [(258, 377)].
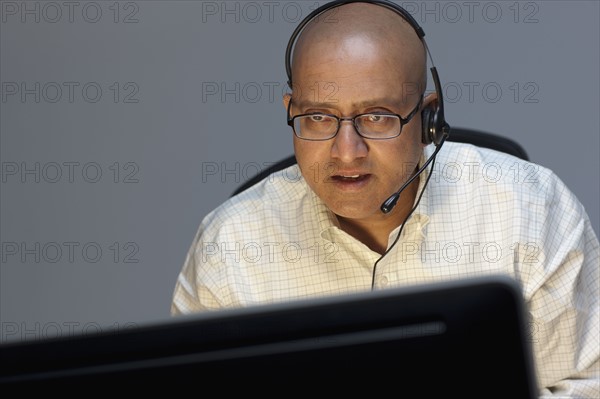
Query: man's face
[(354, 77)]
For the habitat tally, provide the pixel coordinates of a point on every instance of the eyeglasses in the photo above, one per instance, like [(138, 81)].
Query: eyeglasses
[(373, 125)]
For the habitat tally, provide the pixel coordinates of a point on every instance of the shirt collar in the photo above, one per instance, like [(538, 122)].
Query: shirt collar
[(420, 217), (326, 219)]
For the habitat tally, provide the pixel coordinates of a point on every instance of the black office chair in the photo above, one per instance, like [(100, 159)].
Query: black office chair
[(459, 135)]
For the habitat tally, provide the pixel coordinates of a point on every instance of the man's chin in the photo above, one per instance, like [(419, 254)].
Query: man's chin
[(354, 212), (353, 206)]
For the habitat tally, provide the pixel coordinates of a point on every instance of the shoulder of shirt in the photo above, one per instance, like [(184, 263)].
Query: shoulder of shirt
[(525, 178), (279, 192)]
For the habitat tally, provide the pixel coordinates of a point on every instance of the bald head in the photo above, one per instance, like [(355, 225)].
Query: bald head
[(361, 33)]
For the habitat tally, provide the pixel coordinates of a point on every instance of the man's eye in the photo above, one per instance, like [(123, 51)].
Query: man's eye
[(317, 118), (375, 118)]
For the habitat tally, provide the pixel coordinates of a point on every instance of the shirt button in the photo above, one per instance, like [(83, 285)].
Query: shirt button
[(383, 281)]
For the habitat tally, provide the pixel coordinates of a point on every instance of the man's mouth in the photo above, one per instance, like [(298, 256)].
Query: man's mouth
[(351, 181), (350, 178)]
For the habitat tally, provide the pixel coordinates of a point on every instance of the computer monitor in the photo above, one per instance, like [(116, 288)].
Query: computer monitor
[(463, 339)]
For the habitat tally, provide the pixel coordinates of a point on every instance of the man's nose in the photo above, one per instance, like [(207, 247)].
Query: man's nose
[(348, 145)]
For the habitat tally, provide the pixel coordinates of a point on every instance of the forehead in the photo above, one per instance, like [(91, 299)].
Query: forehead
[(339, 99), (354, 93), (357, 68)]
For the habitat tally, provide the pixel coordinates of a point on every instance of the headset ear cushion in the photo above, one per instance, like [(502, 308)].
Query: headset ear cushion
[(426, 124)]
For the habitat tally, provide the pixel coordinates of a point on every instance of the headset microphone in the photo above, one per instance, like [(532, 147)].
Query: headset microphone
[(390, 203)]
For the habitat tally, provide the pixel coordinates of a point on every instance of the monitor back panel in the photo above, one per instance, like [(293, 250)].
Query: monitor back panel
[(459, 339)]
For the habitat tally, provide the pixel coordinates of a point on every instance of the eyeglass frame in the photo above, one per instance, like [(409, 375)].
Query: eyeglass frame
[(403, 121)]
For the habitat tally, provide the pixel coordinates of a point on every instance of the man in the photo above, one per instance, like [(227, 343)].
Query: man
[(325, 234)]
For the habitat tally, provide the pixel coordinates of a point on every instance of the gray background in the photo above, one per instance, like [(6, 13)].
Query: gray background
[(164, 131)]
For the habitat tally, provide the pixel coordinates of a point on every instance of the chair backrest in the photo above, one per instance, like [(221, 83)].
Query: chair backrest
[(458, 135)]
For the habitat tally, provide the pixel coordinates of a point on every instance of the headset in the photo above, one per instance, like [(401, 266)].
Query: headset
[(435, 129), (434, 126)]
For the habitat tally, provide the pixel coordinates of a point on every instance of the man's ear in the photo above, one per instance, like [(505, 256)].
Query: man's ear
[(430, 100), (286, 100)]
